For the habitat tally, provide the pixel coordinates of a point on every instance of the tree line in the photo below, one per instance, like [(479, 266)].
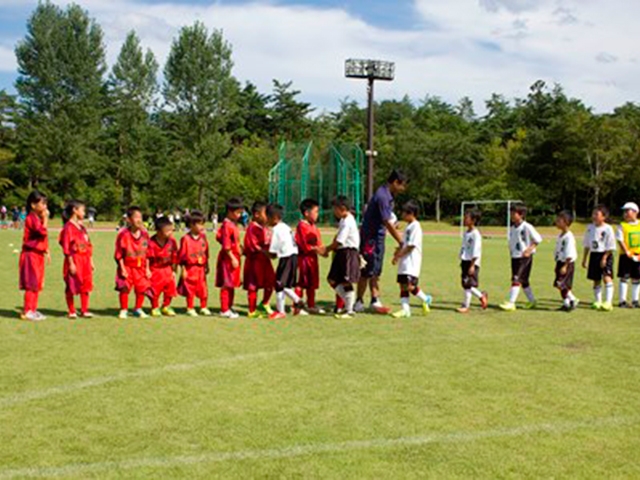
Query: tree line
[(120, 135)]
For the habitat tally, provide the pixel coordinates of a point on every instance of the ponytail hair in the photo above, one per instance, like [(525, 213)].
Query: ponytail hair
[(34, 197), (69, 208)]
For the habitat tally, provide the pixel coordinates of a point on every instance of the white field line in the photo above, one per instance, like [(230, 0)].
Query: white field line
[(81, 469)]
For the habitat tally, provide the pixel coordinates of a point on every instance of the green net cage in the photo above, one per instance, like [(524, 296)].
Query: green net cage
[(322, 174)]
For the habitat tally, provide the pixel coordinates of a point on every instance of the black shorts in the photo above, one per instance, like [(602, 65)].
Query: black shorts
[(287, 273), (469, 281), (373, 252), (345, 267), (628, 268), (564, 282), (521, 271), (408, 280), (596, 272)]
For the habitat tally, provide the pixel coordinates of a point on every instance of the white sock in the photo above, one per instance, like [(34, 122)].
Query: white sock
[(608, 293), (467, 298), (404, 301), (349, 300), (340, 291), (476, 292), (513, 294), (530, 296), (571, 296), (635, 292), (624, 287), (292, 295), (597, 293), (280, 302), (567, 302), (421, 295)]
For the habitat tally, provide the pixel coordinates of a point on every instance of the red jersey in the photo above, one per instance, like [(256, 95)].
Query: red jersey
[(307, 237), (75, 241), (256, 239), (229, 238), (76, 244), (131, 249), (35, 237), (194, 251), (162, 256)]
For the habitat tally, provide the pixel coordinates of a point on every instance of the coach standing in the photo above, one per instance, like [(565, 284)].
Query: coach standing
[(377, 221)]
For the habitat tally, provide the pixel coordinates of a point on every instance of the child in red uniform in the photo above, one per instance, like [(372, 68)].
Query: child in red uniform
[(35, 247), (193, 257), (258, 271), (163, 261), (133, 272), (309, 243), (78, 259), (228, 265)]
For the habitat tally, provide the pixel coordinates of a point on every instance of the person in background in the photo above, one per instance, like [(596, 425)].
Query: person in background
[(599, 248), (470, 262), (628, 237), (163, 262), (258, 270), (91, 216), (193, 257), (566, 255), (309, 243), (229, 263)]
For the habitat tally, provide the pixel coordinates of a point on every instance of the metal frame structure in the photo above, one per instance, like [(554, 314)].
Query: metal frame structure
[(464, 205)]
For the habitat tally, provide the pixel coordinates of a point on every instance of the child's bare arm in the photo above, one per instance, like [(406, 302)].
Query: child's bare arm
[(585, 257)]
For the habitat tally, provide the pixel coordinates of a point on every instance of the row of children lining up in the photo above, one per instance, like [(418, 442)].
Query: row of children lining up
[(147, 267)]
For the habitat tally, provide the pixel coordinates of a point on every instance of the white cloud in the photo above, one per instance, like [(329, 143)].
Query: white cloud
[(459, 47), (7, 59)]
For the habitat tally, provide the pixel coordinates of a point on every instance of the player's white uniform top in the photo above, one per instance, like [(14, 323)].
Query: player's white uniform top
[(600, 239), (471, 247), (283, 243), (411, 264), (521, 237), (566, 248), (348, 233)]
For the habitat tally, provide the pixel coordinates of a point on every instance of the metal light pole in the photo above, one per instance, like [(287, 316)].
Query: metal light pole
[(371, 70)]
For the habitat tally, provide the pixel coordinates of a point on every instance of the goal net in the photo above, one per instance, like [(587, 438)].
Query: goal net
[(496, 217)]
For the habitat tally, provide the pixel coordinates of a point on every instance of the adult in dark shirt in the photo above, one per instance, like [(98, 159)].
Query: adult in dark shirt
[(378, 220)]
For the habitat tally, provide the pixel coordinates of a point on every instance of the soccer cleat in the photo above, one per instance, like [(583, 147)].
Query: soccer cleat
[(33, 317), (168, 312), (156, 313), (123, 315), (359, 307), (72, 316), (635, 305), (596, 306), (508, 307), (564, 308), (87, 315), (316, 311), (140, 313), (463, 310), (574, 305), (265, 308), (606, 307), (484, 300), (402, 314), (380, 309), (205, 312), (426, 306), (255, 315), (230, 314), (277, 316), (531, 305), (345, 316), (191, 312), (299, 310), (623, 305)]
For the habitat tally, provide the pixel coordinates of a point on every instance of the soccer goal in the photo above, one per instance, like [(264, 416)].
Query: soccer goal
[(496, 214)]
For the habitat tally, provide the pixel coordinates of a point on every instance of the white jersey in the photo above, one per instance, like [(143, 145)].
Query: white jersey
[(283, 243), (411, 264), (348, 233), (521, 237), (471, 247), (600, 239), (566, 249)]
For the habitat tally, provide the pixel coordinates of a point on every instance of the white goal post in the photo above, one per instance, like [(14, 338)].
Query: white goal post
[(463, 208)]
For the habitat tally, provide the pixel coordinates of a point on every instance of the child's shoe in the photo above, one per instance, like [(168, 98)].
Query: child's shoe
[(463, 310), (426, 305), (531, 305), (277, 316), (191, 312), (596, 306), (229, 314), (140, 313), (156, 313), (380, 309), (606, 307), (254, 315), (345, 316), (403, 313), (205, 312), (484, 300), (299, 310), (168, 312), (508, 307), (33, 317), (265, 309), (72, 316), (123, 315), (86, 315), (316, 311)]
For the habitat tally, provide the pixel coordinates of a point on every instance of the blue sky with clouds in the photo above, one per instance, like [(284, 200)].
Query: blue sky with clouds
[(449, 48)]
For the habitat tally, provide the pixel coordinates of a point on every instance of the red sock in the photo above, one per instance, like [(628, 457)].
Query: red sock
[(267, 295), (224, 300), (30, 301), (203, 302), (299, 292), (167, 301), (124, 301), (84, 302), (155, 301), (311, 298), (253, 300), (232, 297), (191, 302), (70, 303), (139, 301), (339, 302)]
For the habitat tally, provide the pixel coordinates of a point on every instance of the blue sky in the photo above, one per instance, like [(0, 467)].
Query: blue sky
[(449, 48)]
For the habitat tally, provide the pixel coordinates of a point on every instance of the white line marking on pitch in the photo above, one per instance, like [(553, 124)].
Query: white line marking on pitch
[(318, 448)]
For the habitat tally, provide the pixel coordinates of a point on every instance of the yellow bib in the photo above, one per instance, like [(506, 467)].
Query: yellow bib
[(631, 235)]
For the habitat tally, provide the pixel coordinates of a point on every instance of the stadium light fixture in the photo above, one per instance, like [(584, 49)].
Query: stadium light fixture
[(370, 70)]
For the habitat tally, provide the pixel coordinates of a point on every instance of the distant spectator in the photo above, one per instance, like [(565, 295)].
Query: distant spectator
[(92, 214)]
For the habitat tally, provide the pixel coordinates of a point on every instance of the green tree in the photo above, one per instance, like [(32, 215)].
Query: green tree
[(200, 93), (7, 137), (290, 116)]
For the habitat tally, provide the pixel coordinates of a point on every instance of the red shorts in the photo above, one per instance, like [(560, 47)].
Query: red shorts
[(82, 281), (136, 281), (31, 271), (194, 282), (308, 272), (226, 275), (258, 273), (163, 282)]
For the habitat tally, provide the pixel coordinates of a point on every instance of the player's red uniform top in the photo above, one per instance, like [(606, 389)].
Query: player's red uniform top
[(133, 252), (307, 238), (35, 243), (194, 257), (228, 237), (162, 260), (258, 270), (76, 244)]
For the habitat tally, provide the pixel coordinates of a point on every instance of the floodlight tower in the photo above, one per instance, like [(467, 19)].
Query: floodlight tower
[(371, 70)]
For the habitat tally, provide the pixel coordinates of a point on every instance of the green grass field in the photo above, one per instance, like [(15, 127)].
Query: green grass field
[(489, 395)]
